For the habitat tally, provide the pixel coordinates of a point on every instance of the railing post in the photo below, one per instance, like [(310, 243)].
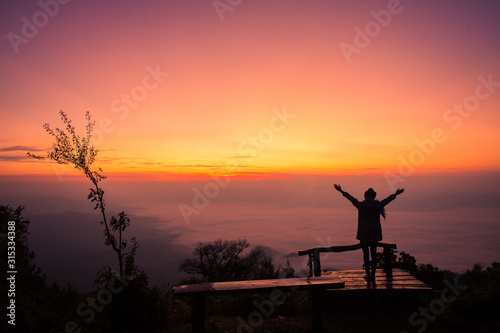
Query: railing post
[(311, 263), (317, 264)]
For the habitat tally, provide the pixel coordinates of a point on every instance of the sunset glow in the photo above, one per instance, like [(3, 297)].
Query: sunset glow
[(175, 90)]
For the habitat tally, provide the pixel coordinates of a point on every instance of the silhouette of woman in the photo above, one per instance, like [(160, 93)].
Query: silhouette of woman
[(369, 228)]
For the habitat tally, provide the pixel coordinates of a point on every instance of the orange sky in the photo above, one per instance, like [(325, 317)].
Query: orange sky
[(220, 85)]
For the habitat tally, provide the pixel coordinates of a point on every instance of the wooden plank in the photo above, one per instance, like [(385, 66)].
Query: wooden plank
[(378, 286), (395, 273), (362, 272), (343, 248), (395, 284), (256, 286), (378, 278), (387, 282)]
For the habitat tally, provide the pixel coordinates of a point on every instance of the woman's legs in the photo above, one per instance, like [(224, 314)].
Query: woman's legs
[(368, 247), (366, 258)]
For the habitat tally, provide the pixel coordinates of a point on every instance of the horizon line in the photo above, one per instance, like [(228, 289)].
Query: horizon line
[(235, 175)]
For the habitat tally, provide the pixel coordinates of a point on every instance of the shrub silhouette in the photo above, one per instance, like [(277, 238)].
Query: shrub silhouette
[(39, 308), (224, 260)]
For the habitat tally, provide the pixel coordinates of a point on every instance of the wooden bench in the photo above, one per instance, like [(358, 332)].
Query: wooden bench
[(313, 284), (314, 260), (386, 279)]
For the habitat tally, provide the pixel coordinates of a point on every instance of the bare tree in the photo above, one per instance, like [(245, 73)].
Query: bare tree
[(69, 148)]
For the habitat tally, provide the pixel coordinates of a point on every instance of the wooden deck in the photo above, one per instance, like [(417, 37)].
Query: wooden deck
[(396, 279), (337, 280), (329, 281)]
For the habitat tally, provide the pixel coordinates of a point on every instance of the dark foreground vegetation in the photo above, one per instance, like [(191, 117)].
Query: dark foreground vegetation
[(129, 304)]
